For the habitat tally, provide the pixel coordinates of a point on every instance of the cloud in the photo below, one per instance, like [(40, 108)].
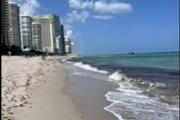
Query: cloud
[(103, 17), (78, 16), (101, 6), (27, 7), (82, 10), (80, 4), (69, 34), (97, 9), (69, 30), (112, 7)]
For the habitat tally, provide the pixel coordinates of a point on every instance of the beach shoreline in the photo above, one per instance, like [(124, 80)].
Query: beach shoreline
[(87, 90), (54, 89), (157, 85)]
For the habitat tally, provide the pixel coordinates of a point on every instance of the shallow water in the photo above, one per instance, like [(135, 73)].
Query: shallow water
[(88, 90), (148, 84)]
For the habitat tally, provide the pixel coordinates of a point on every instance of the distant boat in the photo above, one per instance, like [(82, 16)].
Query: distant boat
[(131, 53)]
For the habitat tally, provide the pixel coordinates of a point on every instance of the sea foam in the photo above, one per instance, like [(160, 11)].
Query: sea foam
[(116, 76), (77, 73), (89, 67), (128, 101), (131, 104)]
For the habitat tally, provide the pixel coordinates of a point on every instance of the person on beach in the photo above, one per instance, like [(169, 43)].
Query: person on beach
[(43, 57), (9, 53), (45, 54)]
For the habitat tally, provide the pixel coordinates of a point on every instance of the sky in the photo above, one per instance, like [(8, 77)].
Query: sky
[(113, 26)]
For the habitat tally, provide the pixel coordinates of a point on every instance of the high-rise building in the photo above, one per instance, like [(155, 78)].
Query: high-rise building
[(14, 25), (62, 40), (68, 46), (36, 36), (4, 23), (50, 30), (57, 34), (26, 32)]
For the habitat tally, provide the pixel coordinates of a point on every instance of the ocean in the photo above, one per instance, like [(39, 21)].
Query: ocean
[(148, 83)]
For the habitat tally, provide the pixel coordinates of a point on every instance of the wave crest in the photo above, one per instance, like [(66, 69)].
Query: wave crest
[(117, 76), (89, 67)]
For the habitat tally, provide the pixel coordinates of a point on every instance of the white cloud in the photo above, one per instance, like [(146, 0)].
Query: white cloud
[(112, 7), (101, 6), (27, 7), (97, 9), (69, 30), (78, 16), (81, 10), (80, 4), (103, 17), (69, 34)]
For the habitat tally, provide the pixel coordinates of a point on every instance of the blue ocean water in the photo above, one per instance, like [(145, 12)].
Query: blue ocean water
[(164, 60), (148, 84)]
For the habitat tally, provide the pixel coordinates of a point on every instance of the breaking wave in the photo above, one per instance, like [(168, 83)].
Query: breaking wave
[(89, 67), (134, 100)]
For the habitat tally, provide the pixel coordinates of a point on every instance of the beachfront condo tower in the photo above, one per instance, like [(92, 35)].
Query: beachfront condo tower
[(50, 30), (62, 41), (57, 34), (26, 32), (68, 46), (14, 25), (36, 36), (4, 23)]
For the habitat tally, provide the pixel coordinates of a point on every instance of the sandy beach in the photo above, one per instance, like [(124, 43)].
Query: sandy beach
[(33, 89), (55, 89)]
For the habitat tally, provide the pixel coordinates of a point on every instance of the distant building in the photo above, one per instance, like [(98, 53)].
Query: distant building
[(58, 39), (36, 36), (14, 25), (50, 30), (62, 41), (4, 23), (68, 46), (26, 32)]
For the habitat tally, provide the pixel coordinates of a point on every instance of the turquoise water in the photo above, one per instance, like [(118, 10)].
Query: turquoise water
[(166, 60), (148, 78)]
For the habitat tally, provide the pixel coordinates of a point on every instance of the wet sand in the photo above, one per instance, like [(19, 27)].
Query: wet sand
[(89, 97)]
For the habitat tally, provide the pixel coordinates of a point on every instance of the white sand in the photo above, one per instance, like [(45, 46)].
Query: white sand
[(33, 89)]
